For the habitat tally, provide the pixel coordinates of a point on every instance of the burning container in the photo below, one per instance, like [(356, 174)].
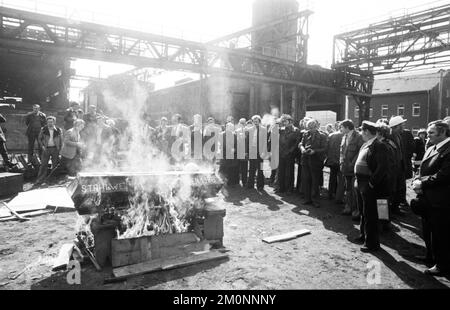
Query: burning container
[(135, 217)]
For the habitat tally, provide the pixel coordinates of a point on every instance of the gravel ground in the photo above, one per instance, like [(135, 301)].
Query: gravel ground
[(325, 259)]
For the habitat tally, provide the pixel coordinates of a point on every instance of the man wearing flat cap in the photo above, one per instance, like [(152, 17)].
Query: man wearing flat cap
[(371, 173)]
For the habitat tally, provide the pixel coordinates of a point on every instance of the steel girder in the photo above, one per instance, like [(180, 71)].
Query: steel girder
[(398, 44), (21, 30)]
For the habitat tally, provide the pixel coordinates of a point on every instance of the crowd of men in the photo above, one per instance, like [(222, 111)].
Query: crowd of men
[(368, 166)]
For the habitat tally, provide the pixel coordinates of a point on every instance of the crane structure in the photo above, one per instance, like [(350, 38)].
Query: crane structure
[(399, 44)]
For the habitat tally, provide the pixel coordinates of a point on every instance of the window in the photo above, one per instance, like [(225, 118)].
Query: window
[(356, 112), (371, 112), (415, 131), (448, 93), (384, 110), (416, 109), (401, 110)]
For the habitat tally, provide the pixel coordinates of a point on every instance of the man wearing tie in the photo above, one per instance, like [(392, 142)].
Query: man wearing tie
[(434, 184)]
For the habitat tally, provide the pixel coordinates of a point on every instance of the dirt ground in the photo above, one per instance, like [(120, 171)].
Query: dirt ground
[(325, 259)]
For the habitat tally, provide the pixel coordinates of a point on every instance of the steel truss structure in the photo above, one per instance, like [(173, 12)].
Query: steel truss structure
[(420, 39), (21, 30)]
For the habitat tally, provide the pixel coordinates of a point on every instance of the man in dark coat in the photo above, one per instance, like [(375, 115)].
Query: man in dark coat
[(71, 114), (254, 149), (419, 148), (288, 147), (332, 161), (434, 185), (34, 120), (6, 162), (371, 173), (313, 147)]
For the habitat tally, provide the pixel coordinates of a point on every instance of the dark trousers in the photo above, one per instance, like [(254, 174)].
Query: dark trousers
[(350, 194), (67, 166), (333, 180), (286, 174), (243, 171), (4, 153), (32, 138), (53, 153), (369, 213), (255, 170), (311, 174), (400, 190), (426, 234), (440, 236), (273, 176), (229, 169)]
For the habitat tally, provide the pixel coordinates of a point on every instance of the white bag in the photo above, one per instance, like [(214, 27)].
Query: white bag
[(383, 209)]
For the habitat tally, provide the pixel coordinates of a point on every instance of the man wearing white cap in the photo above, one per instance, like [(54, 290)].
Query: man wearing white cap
[(405, 144)]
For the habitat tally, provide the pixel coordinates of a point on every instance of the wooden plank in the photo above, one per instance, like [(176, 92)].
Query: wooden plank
[(14, 212), (287, 236), (63, 257), (165, 264), (193, 259)]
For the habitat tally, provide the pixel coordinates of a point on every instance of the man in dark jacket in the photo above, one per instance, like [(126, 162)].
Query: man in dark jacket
[(332, 161), (313, 147), (434, 185), (288, 147), (405, 144), (371, 178), (254, 149), (3, 151), (419, 148), (34, 120)]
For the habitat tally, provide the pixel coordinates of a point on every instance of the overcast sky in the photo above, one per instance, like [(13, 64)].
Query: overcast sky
[(202, 20)]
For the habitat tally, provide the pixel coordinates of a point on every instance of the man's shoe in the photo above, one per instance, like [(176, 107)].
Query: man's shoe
[(435, 271), (367, 249), (308, 202), (316, 205), (359, 240), (426, 260)]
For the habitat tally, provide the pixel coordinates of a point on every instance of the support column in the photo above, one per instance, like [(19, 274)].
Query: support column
[(364, 108), (341, 99), (282, 98), (253, 98), (294, 104)]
